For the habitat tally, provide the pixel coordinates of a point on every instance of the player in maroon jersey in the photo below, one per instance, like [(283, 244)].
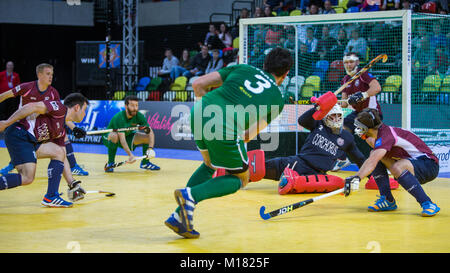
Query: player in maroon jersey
[(42, 137), (406, 156), (361, 94), (41, 90)]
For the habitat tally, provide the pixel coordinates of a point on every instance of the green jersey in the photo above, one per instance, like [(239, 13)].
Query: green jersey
[(246, 95), (120, 120)]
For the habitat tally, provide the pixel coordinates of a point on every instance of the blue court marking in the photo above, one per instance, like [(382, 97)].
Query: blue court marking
[(167, 153), (161, 153)]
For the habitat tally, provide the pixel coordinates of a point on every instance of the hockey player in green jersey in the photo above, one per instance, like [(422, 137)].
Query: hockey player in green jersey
[(223, 120), (128, 140)]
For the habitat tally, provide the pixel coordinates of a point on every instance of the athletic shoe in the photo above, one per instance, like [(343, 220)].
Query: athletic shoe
[(77, 170), (429, 209), (382, 204), (55, 202), (7, 169), (187, 206), (174, 223), (340, 164), (149, 166), (109, 170)]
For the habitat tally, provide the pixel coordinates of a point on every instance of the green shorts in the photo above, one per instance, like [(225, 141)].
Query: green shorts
[(224, 153), (129, 138)]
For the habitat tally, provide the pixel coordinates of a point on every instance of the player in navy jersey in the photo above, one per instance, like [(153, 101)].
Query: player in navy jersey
[(361, 94), (41, 90), (406, 156), (320, 150), (42, 137)]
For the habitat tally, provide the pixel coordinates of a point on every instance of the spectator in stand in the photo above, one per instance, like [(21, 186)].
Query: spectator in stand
[(225, 37), (370, 5), (215, 63), (420, 33), (376, 39), (169, 63), (342, 42), (199, 63), (441, 63), (273, 36), (290, 42), (8, 80), (354, 5), (406, 4), (275, 5), (326, 44), (258, 12), (310, 41), (268, 12), (422, 63), (313, 10), (357, 44), (438, 39), (212, 39), (235, 29), (390, 5), (182, 67), (328, 7), (306, 60)]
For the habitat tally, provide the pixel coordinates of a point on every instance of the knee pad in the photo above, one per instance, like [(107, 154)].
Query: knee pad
[(256, 166)]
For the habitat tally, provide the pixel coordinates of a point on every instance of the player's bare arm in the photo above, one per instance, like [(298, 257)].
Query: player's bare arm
[(203, 84), (374, 88), (25, 111), (6, 95)]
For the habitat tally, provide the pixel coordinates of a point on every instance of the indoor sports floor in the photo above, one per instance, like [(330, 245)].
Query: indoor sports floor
[(133, 220)]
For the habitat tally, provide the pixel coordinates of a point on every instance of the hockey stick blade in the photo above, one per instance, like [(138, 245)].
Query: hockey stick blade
[(284, 209), (295, 206)]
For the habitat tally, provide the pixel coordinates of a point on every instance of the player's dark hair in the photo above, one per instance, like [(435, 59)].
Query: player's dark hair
[(130, 98), (370, 118), (278, 61), (75, 98)]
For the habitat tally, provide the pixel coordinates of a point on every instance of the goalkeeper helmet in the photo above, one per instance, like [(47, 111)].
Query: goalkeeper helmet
[(335, 118)]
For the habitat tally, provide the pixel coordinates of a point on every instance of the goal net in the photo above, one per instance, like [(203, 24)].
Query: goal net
[(415, 79)]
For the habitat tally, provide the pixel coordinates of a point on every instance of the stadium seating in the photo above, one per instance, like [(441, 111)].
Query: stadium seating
[(430, 88), (143, 95), (236, 42), (315, 81), (142, 84), (335, 74), (295, 12), (154, 84), (321, 68), (390, 91), (119, 95), (444, 94), (179, 85)]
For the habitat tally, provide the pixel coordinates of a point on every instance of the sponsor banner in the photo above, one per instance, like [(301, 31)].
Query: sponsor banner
[(442, 152), (170, 122)]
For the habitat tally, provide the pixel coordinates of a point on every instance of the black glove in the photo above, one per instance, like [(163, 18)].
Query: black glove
[(351, 183), (79, 132), (357, 97)]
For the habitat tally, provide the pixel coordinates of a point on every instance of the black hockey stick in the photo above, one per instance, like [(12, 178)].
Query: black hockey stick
[(294, 206)]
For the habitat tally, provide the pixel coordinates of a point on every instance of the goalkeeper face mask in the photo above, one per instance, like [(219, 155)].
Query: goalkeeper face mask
[(351, 64), (334, 119)]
